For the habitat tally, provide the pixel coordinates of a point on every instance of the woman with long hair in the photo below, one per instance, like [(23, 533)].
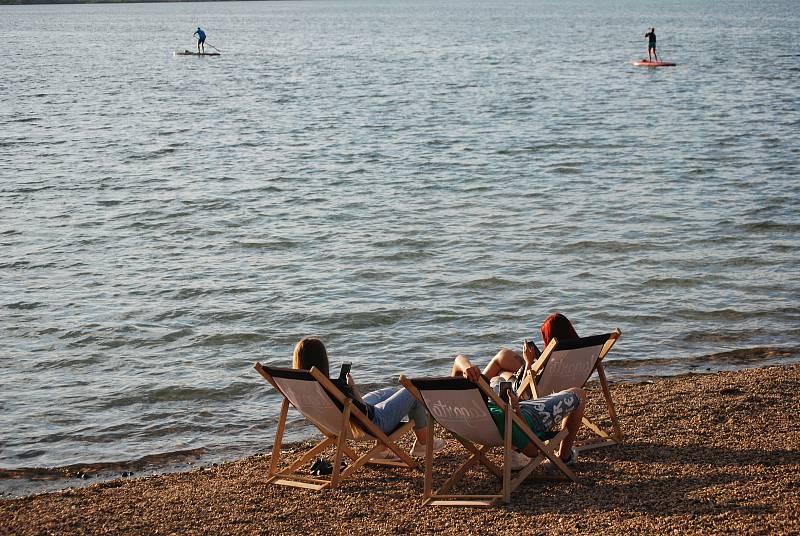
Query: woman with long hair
[(508, 365), (385, 407), (565, 407)]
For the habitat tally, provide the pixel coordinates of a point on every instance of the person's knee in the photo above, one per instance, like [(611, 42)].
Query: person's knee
[(455, 371), (506, 356)]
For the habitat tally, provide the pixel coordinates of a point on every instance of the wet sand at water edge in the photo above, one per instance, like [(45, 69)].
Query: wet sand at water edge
[(703, 453)]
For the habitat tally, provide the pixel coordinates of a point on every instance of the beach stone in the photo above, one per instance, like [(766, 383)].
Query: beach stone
[(693, 461)]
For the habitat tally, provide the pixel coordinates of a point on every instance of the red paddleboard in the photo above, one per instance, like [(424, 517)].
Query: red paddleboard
[(648, 63)]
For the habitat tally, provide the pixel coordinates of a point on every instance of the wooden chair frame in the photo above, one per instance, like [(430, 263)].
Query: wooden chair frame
[(288, 476), (442, 497), (604, 437)]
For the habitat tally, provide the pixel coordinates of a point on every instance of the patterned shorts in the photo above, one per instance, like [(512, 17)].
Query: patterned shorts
[(548, 411)]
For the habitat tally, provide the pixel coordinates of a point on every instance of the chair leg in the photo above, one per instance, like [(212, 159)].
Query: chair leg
[(276, 446), (609, 403), (428, 485), (479, 454), (457, 475), (341, 444), (365, 458), (525, 472), (507, 456), (604, 438), (322, 445)]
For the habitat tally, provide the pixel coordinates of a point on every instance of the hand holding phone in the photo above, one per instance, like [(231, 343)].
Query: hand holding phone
[(345, 370), (533, 348), (504, 388)]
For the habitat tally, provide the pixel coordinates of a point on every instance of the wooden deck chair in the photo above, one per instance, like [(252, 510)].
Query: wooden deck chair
[(326, 407), (460, 407), (569, 363)]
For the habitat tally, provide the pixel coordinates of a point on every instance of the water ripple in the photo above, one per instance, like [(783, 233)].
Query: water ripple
[(430, 194)]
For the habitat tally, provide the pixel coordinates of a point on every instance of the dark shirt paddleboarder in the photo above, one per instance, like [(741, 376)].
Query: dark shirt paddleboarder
[(651, 43), (201, 40)]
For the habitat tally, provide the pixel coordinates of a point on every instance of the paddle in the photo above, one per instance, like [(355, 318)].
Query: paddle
[(215, 48)]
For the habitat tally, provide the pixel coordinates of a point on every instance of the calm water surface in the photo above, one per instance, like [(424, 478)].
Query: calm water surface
[(407, 180)]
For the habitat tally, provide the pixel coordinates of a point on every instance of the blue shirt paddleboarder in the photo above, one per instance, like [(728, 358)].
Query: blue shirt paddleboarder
[(651, 44), (201, 40)]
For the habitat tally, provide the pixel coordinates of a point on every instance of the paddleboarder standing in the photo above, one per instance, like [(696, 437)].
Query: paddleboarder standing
[(651, 43), (201, 40)]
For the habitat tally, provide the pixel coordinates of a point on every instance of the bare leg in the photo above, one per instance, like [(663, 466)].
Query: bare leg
[(572, 422), (460, 364), (505, 363), (654, 53)]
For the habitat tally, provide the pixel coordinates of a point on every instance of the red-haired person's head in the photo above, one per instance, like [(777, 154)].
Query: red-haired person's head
[(557, 326)]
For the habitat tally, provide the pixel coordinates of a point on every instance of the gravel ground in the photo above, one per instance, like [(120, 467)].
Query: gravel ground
[(703, 453)]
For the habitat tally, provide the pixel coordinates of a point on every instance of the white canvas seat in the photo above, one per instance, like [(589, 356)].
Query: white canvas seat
[(326, 407), (459, 406), (569, 363)]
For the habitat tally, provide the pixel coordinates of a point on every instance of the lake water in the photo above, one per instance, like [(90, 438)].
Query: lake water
[(407, 180)]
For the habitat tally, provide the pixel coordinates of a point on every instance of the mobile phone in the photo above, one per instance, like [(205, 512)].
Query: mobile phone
[(504, 388), (345, 370), (532, 345)]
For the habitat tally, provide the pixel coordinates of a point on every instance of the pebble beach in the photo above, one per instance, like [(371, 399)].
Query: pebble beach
[(703, 453)]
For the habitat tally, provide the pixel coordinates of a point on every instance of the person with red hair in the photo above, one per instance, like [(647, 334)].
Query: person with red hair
[(508, 365), (544, 413)]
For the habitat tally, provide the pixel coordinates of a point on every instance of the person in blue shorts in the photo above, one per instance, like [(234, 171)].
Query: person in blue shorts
[(201, 40), (651, 44)]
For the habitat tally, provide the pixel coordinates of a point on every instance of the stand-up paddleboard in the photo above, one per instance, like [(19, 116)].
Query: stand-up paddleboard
[(649, 63), (190, 53)]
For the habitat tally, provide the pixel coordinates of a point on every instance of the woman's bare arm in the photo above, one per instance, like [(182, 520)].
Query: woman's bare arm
[(351, 382)]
